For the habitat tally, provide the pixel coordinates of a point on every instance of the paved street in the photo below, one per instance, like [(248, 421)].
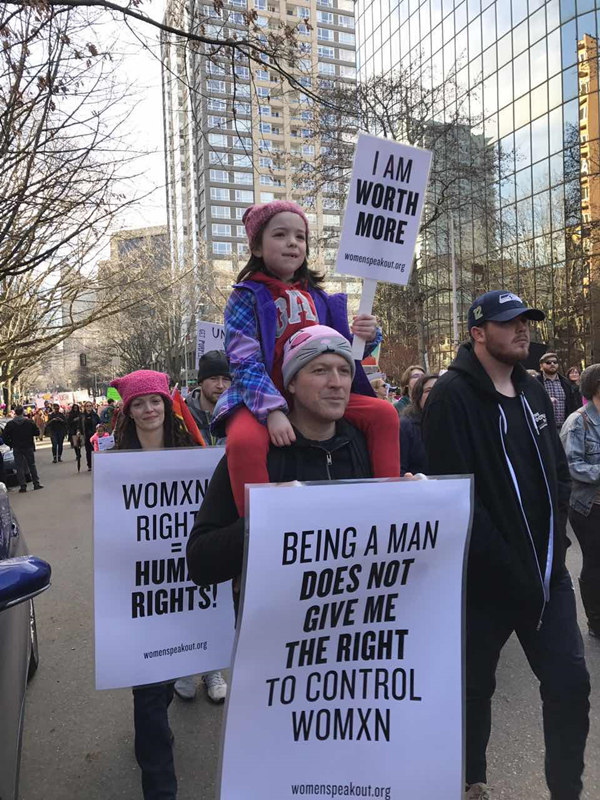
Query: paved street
[(78, 743)]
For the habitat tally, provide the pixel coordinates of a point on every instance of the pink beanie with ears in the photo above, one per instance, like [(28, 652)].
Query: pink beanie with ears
[(256, 217), (143, 381)]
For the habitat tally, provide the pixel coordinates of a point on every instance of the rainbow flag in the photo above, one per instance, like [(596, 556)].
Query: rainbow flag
[(183, 413)]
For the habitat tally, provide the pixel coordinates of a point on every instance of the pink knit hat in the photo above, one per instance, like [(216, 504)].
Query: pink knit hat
[(310, 342), (143, 381), (256, 217)]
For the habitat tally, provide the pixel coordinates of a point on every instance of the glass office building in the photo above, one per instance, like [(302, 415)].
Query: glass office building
[(527, 72)]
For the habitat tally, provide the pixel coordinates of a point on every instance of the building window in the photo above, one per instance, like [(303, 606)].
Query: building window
[(216, 122), (243, 196), (220, 212), (324, 34), (242, 248), (262, 91), (219, 175), (265, 111), (265, 161), (222, 248), (241, 160), (262, 74), (266, 180), (326, 17), (219, 194), (221, 230), (239, 212), (218, 87), (265, 127), (346, 38), (302, 12), (345, 22), (266, 197), (325, 68), (325, 51), (242, 72), (216, 105), (242, 108), (243, 177), (217, 140)]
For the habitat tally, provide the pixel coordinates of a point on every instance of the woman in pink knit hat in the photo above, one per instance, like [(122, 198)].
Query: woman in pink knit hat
[(147, 422), (276, 295)]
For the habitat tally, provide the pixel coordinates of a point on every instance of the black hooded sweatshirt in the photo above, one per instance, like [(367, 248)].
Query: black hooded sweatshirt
[(465, 432)]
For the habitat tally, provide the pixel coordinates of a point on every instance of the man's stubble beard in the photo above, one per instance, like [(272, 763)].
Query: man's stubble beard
[(506, 358)]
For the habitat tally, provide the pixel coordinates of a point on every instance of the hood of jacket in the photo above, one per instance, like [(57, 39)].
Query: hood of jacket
[(467, 363)]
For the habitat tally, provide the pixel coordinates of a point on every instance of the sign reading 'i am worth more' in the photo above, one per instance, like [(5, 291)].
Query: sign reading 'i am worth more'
[(383, 210)]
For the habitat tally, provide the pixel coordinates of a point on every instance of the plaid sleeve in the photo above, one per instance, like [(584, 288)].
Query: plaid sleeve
[(370, 346), (248, 371)]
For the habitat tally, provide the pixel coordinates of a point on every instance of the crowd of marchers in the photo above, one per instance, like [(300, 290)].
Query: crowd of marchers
[(290, 403)]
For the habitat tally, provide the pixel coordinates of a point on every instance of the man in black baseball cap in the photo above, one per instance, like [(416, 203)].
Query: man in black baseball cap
[(500, 306), (488, 418)]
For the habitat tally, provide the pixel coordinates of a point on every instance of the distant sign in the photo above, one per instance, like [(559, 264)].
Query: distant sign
[(210, 337), (383, 211)]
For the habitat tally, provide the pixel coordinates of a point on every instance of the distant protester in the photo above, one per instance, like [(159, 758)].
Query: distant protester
[(90, 420), (413, 457), (19, 434), (580, 436), (57, 426), (148, 423), (409, 377)]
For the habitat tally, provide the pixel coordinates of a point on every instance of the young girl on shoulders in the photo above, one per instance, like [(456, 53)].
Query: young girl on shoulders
[(276, 294)]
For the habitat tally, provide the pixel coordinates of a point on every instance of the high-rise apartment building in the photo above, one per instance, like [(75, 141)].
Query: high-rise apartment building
[(527, 73), (236, 133)]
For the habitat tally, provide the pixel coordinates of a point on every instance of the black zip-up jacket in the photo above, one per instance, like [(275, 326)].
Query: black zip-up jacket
[(463, 433), (215, 546)]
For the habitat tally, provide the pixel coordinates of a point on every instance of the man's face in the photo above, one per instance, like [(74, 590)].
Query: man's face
[(550, 367), (212, 388), (321, 389), (507, 342)]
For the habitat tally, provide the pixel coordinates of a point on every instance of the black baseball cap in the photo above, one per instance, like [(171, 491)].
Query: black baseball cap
[(500, 306)]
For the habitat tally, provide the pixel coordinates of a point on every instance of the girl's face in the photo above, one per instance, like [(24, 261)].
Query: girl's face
[(283, 245), (88, 408), (147, 412)]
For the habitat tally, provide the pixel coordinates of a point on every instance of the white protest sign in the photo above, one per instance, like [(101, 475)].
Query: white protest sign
[(151, 622), (210, 336), (106, 443), (347, 675), (383, 210)]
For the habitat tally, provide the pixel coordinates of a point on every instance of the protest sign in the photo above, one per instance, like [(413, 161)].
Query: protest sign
[(383, 210), (347, 675), (210, 337), (382, 216), (106, 443), (151, 622)]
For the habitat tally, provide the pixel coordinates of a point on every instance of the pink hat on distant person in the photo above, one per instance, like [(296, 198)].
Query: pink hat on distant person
[(256, 217), (310, 342), (143, 381)]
